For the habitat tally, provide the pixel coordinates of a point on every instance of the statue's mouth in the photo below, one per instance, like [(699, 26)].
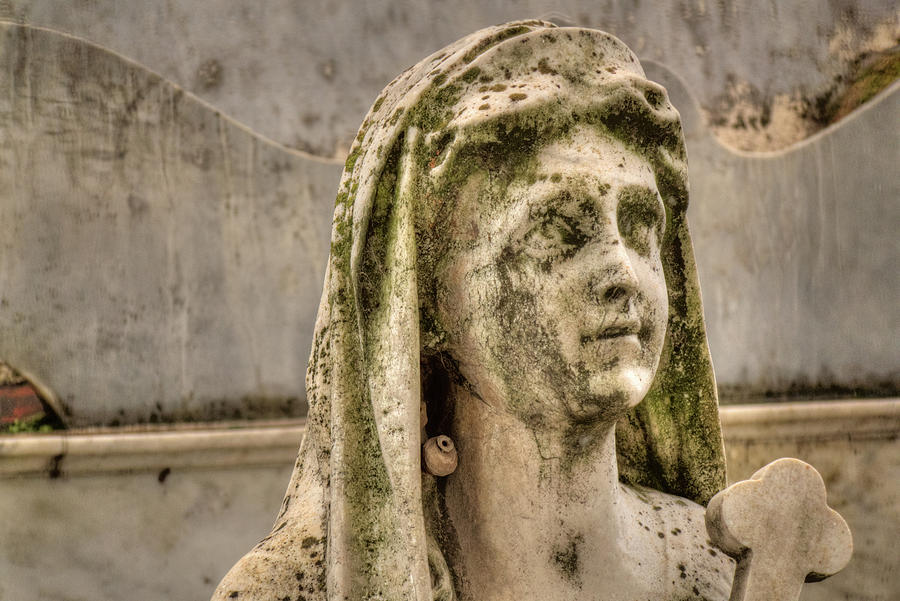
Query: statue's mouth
[(618, 329)]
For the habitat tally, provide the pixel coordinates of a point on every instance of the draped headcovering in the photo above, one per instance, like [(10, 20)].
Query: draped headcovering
[(352, 524)]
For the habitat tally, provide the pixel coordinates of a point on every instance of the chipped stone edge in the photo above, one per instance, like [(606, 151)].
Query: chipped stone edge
[(274, 444)]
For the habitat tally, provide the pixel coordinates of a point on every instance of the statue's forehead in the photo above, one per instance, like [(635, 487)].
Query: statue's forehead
[(592, 148), (583, 171)]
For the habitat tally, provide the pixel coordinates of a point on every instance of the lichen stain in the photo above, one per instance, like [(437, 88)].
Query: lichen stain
[(567, 561)]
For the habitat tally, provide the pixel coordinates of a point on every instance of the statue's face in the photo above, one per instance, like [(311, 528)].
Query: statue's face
[(557, 306)]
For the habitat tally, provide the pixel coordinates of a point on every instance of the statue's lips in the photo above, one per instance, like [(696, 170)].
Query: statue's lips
[(612, 332)]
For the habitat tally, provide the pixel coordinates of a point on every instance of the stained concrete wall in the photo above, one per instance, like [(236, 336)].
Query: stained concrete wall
[(304, 73), (797, 253), (159, 261)]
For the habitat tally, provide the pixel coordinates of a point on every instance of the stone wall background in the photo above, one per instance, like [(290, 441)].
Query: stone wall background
[(162, 261), (305, 73)]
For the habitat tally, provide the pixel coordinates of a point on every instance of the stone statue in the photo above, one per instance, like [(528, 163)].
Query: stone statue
[(511, 288)]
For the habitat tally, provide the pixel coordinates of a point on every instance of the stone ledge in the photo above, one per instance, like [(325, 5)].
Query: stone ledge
[(812, 421), (91, 452), (275, 443)]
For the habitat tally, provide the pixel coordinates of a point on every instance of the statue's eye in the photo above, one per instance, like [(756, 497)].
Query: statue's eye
[(641, 219), (554, 234)]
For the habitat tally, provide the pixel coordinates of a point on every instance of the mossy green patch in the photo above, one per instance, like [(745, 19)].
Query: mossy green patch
[(874, 75), (470, 75)]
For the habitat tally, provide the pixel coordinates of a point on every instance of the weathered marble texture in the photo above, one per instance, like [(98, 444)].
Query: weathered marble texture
[(854, 445), (779, 528), (509, 254)]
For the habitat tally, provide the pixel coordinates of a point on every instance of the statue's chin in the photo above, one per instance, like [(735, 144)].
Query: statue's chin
[(618, 390)]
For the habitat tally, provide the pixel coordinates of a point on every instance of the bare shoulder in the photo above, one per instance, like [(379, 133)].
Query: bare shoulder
[(693, 569)]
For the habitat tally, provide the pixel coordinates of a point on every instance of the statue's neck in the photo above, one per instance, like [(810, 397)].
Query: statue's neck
[(532, 503)]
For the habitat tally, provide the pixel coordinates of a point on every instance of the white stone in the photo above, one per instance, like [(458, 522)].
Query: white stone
[(512, 219), (780, 530)]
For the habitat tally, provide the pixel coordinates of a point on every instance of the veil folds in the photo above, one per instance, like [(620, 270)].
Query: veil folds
[(352, 524)]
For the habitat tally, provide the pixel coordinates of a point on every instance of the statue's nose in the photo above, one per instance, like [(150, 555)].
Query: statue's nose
[(612, 278)]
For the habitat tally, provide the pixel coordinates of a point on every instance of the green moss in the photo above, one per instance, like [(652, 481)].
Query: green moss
[(874, 75), (470, 75), (433, 111), (367, 484), (352, 157), (28, 426)]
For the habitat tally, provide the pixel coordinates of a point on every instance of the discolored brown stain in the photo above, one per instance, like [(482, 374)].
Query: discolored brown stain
[(209, 75)]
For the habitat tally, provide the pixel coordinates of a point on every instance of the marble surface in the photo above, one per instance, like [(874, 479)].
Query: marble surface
[(855, 445), (779, 528)]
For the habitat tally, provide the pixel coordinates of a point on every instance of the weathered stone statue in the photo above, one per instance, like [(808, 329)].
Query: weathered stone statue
[(511, 280)]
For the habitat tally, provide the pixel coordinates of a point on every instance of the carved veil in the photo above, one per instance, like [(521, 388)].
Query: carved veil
[(352, 524)]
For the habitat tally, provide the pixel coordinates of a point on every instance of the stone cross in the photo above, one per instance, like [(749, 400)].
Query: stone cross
[(780, 530)]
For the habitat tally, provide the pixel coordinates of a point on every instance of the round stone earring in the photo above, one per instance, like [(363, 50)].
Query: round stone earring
[(439, 456)]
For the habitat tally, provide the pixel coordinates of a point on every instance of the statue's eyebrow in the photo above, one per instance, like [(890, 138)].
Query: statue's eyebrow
[(646, 200), (520, 216), (537, 198), (639, 192)]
